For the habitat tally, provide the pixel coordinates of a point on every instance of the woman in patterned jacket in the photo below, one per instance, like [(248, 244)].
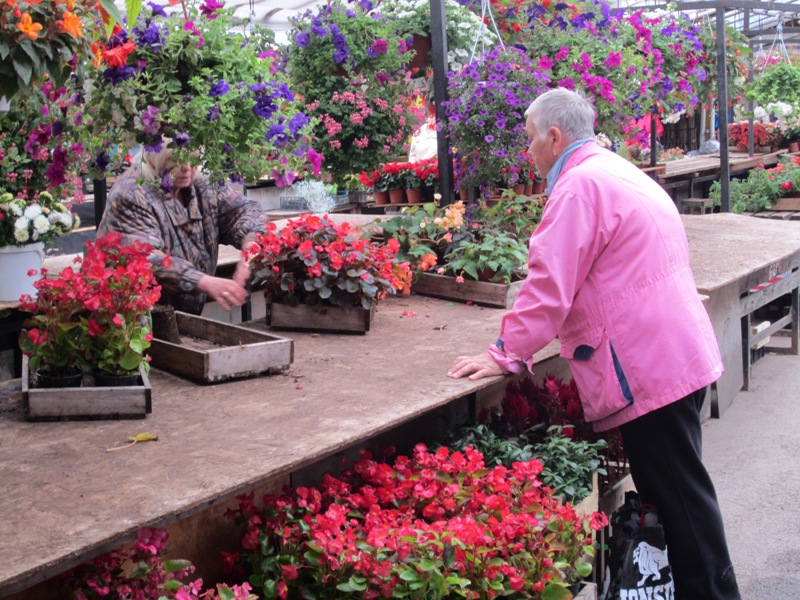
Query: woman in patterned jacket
[(182, 215)]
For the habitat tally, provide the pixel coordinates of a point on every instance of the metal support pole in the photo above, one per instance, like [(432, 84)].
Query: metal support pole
[(722, 99), (100, 195), (750, 103), (439, 56), (653, 137)]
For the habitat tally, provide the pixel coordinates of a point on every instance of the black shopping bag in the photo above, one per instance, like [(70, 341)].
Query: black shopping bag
[(639, 562)]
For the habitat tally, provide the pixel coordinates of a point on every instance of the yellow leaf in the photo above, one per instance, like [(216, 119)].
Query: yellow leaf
[(143, 437)]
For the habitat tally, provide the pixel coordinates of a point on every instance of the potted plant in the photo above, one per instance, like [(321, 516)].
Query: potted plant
[(119, 291), (412, 183), (427, 170), (411, 20), (485, 115), (96, 317), (393, 177), (431, 525), (330, 272), (346, 62), (26, 227), (54, 338), (47, 41), (190, 80), (762, 188), (495, 255)]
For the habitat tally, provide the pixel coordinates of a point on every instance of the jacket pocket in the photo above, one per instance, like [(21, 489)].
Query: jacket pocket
[(597, 373)]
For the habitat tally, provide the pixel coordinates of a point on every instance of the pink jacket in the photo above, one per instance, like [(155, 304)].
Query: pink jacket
[(609, 275)]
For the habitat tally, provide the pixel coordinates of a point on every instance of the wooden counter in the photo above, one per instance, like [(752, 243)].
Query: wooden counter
[(742, 263), (66, 499)]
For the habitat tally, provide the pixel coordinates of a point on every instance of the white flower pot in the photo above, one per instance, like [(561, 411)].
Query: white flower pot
[(15, 263)]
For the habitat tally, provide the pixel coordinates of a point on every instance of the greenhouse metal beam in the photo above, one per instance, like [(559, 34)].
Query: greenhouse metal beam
[(722, 97), (739, 5), (439, 52)]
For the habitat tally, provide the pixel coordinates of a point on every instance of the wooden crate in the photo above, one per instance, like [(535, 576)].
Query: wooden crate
[(213, 351), (88, 402), (326, 319), (791, 203), (496, 295)]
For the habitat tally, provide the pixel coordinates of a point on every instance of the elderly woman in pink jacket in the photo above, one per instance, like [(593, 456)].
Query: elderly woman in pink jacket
[(609, 274)]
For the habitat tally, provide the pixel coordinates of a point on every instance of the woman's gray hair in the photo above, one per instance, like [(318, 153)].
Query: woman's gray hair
[(569, 111), (154, 164)]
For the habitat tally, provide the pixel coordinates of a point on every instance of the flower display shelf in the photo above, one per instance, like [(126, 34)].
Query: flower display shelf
[(791, 203), (485, 293), (87, 402), (327, 319), (212, 351)]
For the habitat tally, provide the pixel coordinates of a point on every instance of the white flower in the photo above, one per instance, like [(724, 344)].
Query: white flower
[(41, 225), (33, 211), (16, 209), (21, 235), (760, 114)]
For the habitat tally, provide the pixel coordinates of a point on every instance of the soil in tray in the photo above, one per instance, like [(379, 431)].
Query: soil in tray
[(193, 343)]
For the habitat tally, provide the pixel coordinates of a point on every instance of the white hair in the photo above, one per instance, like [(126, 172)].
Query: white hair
[(564, 109)]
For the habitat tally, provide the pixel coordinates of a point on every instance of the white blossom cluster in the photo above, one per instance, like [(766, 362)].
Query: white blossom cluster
[(33, 222)]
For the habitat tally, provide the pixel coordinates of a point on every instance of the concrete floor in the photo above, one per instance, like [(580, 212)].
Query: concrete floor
[(751, 453)]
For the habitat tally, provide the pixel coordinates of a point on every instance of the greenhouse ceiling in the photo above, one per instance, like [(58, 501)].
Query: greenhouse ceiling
[(768, 21)]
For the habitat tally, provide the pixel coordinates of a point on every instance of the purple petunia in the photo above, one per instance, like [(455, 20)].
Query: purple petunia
[(302, 39), (277, 134), (156, 10), (154, 144), (150, 119), (150, 37), (265, 107), (219, 89), (297, 122), (213, 114), (181, 139), (118, 74)]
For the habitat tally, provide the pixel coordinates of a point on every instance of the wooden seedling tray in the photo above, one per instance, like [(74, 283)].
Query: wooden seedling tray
[(496, 295), (87, 402), (213, 351), (327, 319)]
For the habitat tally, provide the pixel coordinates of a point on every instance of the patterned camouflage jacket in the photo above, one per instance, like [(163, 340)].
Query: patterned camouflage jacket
[(190, 231)]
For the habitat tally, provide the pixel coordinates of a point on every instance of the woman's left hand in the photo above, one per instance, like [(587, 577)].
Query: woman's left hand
[(480, 365), (228, 293)]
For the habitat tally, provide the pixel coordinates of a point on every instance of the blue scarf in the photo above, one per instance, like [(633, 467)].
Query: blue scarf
[(555, 171)]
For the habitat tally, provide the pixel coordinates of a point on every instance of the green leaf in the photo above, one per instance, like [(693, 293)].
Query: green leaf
[(556, 591), (133, 8), (172, 584), (113, 12), (225, 593), (23, 67)]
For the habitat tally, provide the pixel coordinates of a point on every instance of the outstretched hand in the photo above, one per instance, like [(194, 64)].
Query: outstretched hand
[(479, 365), (228, 293)]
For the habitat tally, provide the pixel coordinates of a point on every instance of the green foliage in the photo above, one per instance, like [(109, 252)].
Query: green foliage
[(778, 83), (55, 45), (358, 72), (496, 450), (514, 213), (761, 188), (569, 464), (497, 256), (210, 93)]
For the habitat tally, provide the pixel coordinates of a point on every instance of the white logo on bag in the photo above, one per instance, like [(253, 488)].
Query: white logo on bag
[(650, 561)]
